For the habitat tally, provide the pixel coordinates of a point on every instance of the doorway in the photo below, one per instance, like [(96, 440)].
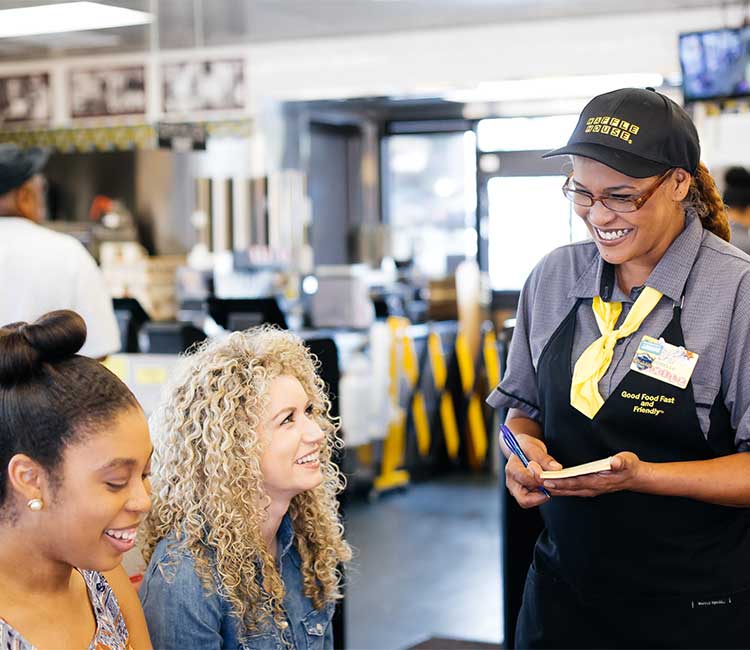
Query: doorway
[(522, 214)]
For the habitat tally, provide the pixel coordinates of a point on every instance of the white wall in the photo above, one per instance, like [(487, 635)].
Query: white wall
[(725, 139), (430, 61), (422, 62), (425, 61)]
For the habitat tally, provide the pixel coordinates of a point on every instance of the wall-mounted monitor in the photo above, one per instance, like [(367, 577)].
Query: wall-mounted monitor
[(715, 64)]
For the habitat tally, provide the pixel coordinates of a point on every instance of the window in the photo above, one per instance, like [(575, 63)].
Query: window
[(528, 217), (525, 133), (431, 198)]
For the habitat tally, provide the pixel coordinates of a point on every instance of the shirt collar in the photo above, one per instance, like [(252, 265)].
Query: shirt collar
[(285, 536), (669, 275)]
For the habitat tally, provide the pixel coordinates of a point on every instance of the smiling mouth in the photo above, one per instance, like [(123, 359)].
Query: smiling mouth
[(612, 235), (312, 457), (122, 539), (122, 534)]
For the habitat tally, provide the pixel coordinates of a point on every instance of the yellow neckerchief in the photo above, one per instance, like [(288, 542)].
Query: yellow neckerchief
[(593, 363)]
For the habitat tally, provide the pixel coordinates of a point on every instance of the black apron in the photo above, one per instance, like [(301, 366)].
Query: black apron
[(629, 569)]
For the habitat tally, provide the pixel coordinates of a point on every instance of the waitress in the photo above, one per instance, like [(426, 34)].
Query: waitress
[(655, 552)]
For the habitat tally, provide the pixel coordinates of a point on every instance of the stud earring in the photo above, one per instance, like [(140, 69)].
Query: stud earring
[(35, 504)]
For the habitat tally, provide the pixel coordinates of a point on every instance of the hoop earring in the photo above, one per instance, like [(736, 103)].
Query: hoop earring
[(35, 504)]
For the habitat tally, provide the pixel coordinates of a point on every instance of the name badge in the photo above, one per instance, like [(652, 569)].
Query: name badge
[(664, 361)]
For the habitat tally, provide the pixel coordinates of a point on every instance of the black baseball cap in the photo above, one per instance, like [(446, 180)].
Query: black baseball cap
[(19, 165), (636, 131)]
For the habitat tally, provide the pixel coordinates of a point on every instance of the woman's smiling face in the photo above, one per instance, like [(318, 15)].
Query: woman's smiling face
[(101, 494), (639, 237), (292, 440)]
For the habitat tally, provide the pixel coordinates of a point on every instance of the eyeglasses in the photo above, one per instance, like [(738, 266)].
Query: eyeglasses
[(614, 202)]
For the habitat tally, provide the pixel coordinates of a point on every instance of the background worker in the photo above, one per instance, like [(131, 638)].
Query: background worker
[(42, 270), (737, 200)]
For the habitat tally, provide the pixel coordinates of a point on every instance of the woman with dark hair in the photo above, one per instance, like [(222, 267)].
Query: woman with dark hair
[(74, 456), (633, 345), (737, 200)]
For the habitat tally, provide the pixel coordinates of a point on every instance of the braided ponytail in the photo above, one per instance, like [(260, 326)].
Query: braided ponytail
[(703, 197)]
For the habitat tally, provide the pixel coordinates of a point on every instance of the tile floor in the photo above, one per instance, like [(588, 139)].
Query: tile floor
[(427, 564)]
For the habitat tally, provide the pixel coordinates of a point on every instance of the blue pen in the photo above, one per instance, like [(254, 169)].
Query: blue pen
[(512, 443)]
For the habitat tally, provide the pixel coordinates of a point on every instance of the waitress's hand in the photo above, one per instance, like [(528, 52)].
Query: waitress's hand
[(524, 482), (623, 476)]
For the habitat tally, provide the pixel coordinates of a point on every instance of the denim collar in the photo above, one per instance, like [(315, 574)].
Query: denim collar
[(285, 536)]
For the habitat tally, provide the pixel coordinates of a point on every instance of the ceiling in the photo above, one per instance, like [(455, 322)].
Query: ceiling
[(209, 23)]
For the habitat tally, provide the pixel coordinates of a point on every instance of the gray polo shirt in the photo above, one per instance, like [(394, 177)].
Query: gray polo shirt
[(715, 321)]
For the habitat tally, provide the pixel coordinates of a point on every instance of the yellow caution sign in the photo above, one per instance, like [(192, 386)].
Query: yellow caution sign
[(491, 359), (421, 423), (477, 428), (397, 325), (465, 362), (450, 425), (447, 410), (437, 360), (394, 445), (418, 408), (477, 432), (410, 361)]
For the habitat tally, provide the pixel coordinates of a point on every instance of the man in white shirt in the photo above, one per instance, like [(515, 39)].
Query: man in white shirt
[(42, 270)]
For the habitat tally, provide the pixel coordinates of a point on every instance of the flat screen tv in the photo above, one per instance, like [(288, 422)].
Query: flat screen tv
[(715, 64)]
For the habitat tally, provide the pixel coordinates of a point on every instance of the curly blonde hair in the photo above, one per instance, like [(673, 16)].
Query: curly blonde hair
[(208, 487)]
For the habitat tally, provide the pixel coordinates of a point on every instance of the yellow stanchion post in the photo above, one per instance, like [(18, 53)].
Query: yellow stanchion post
[(491, 360), (492, 370), (477, 432), (364, 454), (394, 445), (447, 410), (418, 407)]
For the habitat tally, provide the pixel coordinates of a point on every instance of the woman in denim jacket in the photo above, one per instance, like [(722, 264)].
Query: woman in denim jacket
[(244, 537)]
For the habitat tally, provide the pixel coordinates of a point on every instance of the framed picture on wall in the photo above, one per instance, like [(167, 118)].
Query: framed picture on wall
[(108, 91), (203, 86), (25, 98)]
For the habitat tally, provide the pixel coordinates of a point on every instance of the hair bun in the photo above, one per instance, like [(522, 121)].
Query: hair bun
[(738, 176), (24, 347)]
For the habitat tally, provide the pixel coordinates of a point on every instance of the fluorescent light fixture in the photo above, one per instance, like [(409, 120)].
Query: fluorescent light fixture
[(67, 17), (553, 87)]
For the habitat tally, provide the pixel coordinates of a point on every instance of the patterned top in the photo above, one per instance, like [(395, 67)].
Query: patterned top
[(111, 632)]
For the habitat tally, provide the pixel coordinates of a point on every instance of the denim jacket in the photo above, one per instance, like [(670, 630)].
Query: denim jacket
[(182, 615)]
